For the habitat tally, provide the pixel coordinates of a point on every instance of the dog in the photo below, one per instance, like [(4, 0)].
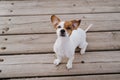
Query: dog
[(69, 36)]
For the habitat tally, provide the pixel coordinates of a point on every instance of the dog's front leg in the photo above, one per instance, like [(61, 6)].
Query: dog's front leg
[(58, 60), (69, 63)]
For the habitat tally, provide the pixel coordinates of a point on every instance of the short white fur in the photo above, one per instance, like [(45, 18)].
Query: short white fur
[(65, 46)]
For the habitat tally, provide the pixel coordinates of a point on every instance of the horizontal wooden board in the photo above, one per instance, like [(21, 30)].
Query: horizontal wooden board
[(44, 18), (89, 77), (42, 24), (89, 57), (41, 65), (26, 70), (55, 7), (11, 44)]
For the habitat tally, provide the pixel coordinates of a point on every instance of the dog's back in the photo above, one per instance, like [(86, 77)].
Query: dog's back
[(78, 37)]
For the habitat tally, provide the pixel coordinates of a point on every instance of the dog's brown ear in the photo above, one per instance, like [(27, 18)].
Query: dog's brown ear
[(55, 20), (75, 23)]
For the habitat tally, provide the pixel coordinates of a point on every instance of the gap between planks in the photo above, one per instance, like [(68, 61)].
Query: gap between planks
[(10, 34)]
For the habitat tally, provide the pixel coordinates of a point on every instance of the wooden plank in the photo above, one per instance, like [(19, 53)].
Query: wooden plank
[(44, 42), (55, 7), (89, 77), (89, 57), (26, 70), (46, 27), (42, 24), (43, 18)]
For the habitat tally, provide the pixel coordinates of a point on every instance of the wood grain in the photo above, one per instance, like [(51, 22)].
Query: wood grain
[(26, 49), (38, 43), (46, 27), (89, 77), (43, 18), (55, 7), (89, 57), (23, 70), (42, 24)]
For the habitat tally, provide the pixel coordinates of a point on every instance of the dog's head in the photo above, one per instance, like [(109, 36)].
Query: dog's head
[(64, 28)]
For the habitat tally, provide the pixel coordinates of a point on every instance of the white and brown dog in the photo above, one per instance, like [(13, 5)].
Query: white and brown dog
[(69, 36)]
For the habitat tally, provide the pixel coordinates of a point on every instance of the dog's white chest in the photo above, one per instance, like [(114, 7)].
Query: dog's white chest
[(63, 49)]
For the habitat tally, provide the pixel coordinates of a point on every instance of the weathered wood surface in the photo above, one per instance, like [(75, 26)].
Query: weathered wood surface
[(58, 7), (44, 43), (93, 77), (39, 65), (42, 23), (89, 57), (90, 77), (23, 70), (29, 65), (25, 28), (46, 27)]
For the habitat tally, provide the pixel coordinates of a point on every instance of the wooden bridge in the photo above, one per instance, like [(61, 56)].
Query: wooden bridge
[(27, 38)]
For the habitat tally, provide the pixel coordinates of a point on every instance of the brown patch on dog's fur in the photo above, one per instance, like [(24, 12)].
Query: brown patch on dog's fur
[(76, 23), (55, 21), (55, 26), (68, 27)]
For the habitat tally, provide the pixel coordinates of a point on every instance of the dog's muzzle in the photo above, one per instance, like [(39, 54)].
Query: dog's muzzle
[(62, 33)]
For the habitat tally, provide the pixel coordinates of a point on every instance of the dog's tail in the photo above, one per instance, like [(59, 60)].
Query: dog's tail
[(88, 27)]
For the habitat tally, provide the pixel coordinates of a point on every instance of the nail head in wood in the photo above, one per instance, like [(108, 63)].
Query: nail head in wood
[(6, 39), (11, 10), (3, 32), (12, 3), (9, 19), (74, 4), (7, 29), (3, 48), (0, 70), (1, 60), (82, 61)]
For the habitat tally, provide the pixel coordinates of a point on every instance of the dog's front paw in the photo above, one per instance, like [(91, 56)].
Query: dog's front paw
[(56, 62), (69, 65), (82, 51)]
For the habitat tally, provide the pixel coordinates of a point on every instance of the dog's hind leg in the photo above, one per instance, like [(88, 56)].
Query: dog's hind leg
[(83, 47)]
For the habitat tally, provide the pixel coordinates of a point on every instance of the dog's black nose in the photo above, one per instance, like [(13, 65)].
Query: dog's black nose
[(62, 31)]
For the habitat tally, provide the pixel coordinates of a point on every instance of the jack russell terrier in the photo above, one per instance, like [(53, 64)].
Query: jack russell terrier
[(69, 36)]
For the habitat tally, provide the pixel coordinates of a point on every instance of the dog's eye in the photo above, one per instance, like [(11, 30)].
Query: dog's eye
[(68, 28), (59, 26)]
